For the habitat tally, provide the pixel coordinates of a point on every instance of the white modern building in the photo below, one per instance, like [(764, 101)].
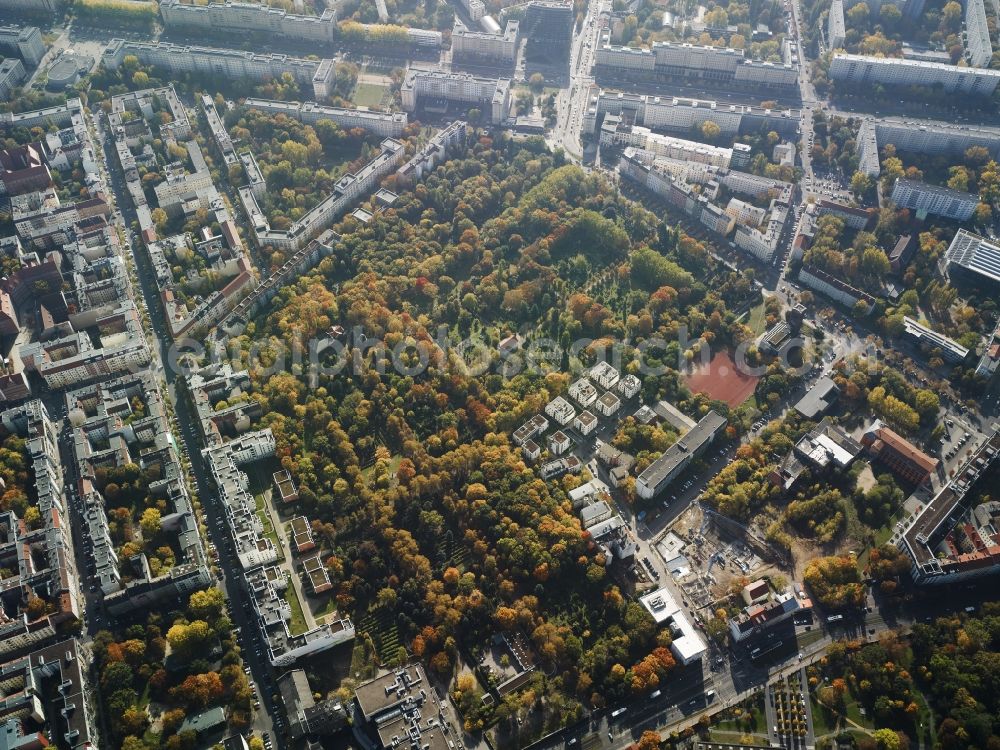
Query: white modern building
[(560, 410), (239, 18), (861, 70), (686, 644)]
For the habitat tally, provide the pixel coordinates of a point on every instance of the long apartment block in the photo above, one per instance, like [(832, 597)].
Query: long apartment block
[(178, 59), (388, 124), (712, 65), (862, 70)]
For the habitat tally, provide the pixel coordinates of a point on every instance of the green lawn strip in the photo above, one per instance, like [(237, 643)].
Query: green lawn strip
[(298, 625)]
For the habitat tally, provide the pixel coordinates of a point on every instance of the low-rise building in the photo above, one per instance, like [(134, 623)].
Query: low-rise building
[(687, 644), (757, 618), (932, 341), (608, 404), (560, 410), (534, 426), (818, 399), (604, 375), (629, 386), (901, 456), (583, 392)]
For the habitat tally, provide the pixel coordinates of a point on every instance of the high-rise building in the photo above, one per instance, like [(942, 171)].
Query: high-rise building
[(978, 48), (836, 29), (482, 46), (24, 41), (548, 27)]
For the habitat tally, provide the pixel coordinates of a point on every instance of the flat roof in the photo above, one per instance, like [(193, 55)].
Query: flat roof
[(691, 443)]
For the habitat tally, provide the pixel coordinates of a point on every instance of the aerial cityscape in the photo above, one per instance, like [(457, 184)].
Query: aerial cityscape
[(499, 374)]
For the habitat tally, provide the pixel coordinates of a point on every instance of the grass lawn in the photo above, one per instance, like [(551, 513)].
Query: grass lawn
[(824, 720), (737, 738), (328, 608), (269, 531), (368, 94), (757, 321), (298, 624)]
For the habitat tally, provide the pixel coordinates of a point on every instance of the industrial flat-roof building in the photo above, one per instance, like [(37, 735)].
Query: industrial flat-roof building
[(973, 256)]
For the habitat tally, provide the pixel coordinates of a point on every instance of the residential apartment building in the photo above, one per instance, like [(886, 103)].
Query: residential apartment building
[(481, 46), (239, 18), (24, 42), (670, 60), (681, 115), (386, 124), (932, 199), (39, 559), (491, 95), (978, 48), (107, 430), (475, 8), (12, 75), (861, 70), (836, 289), (349, 189), (48, 701), (972, 257), (548, 28), (614, 132), (211, 62), (855, 218), (953, 540), (441, 145), (921, 136), (74, 358), (763, 244), (677, 457), (263, 582), (836, 29)]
